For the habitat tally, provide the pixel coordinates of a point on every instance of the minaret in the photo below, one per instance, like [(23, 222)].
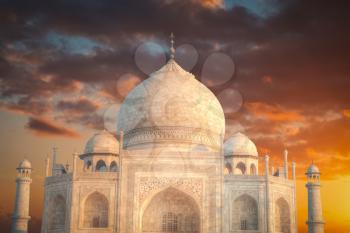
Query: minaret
[(55, 168), (267, 201), (21, 216), (285, 157), (315, 218)]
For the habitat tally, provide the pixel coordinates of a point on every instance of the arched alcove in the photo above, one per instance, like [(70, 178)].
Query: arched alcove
[(113, 167), (228, 169), (88, 165), (282, 216), (253, 169), (171, 211), (57, 213), (101, 166), (95, 211), (245, 213), (241, 166)]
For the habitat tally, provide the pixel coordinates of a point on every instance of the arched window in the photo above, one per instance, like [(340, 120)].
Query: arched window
[(169, 222), (252, 169), (96, 211), (282, 216), (101, 166), (88, 165), (228, 169), (57, 213), (245, 213), (171, 211), (113, 167), (241, 166)]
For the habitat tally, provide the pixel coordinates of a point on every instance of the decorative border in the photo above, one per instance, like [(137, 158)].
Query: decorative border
[(171, 134), (148, 185)]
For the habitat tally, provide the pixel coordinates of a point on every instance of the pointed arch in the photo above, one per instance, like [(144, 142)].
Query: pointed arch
[(57, 213), (282, 216), (113, 167), (101, 166), (171, 210), (241, 166), (245, 213), (253, 169), (88, 165), (228, 169), (95, 211)]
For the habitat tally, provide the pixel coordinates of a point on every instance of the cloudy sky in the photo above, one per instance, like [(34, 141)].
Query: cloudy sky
[(279, 68)]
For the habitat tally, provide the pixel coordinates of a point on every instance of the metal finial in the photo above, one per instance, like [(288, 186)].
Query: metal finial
[(172, 49)]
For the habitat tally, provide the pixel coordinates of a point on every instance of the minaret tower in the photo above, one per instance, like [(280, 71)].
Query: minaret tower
[(21, 212), (315, 218)]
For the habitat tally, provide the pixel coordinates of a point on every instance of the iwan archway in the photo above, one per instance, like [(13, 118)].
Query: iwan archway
[(171, 211)]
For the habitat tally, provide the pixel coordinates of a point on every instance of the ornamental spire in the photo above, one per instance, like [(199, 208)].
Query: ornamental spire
[(172, 49)]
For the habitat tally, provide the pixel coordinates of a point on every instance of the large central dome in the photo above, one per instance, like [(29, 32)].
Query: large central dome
[(171, 106)]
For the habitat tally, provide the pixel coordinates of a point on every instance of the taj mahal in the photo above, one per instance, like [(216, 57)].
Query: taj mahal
[(168, 168)]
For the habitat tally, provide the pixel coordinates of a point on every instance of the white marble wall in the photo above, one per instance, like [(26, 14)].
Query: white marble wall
[(255, 187), (142, 176)]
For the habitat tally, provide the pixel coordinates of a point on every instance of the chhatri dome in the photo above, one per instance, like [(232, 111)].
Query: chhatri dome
[(312, 169), (102, 142), (240, 144), (171, 107), (25, 164)]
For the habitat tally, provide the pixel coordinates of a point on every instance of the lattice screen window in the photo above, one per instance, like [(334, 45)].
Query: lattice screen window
[(169, 223), (244, 224)]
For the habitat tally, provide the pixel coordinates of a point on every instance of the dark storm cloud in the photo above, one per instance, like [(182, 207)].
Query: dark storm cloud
[(302, 47), (98, 68), (82, 112), (91, 120), (114, 18), (47, 128), (306, 55), (293, 63), (79, 106), (27, 105)]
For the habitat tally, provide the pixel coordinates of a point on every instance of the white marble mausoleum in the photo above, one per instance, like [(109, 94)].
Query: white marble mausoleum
[(168, 168)]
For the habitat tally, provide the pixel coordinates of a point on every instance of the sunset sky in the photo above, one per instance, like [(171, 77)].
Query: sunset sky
[(281, 72)]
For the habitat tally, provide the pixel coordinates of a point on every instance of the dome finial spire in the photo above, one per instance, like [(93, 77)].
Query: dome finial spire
[(172, 49)]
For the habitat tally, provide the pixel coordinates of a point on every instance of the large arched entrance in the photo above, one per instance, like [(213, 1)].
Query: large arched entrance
[(96, 211), (245, 213), (171, 211), (282, 216), (57, 213)]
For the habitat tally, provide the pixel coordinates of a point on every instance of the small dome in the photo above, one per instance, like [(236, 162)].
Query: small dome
[(240, 144), (171, 106), (312, 169), (102, 142), (25, 164)]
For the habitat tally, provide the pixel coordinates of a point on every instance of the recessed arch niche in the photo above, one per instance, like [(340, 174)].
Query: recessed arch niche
[(171, 210)]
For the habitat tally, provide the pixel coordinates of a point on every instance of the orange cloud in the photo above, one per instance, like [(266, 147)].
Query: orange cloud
[(271, 112), (44, 127), (346, 112), (212, 3), (27, 107), (267, 79), (331, 162), (82, 105), (120, 89), (126, 83)]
